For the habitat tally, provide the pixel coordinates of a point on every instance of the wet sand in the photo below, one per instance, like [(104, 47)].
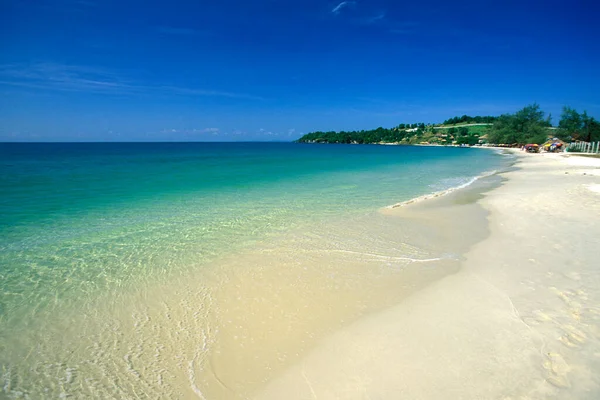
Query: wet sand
[(226, 331), (487, 292), (276, 304), (519, 319)]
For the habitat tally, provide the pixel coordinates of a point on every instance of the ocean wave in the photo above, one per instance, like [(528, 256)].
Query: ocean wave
[(444, 192)]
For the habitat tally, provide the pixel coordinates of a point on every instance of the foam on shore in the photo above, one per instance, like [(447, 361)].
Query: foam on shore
[(444, 192), (519, 319), (179, 318), (225, 332)]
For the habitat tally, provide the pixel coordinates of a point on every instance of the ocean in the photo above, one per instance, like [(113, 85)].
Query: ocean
[(193, 270)]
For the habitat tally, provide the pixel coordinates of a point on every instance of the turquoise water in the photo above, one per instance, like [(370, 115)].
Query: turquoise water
[(83, 221), (102, 213)]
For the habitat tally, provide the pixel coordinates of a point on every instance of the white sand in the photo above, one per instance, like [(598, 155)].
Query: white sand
[(521, 320)]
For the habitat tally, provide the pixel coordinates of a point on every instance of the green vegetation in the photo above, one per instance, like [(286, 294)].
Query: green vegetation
[(403, 134), (578, 126), (465, 119), (379, 135), (469, 135), (528, 125), (525, 126)]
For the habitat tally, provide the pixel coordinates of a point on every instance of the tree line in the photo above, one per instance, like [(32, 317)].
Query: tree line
[(379, 135), (528, 125), (531, 125), (579, 126), (465, 119)]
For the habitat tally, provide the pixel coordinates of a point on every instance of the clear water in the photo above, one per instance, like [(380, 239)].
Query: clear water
[(82, 225)]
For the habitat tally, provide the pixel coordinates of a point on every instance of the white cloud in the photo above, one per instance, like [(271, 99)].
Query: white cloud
[(61, 77), (376, 18), (75, 78), (195, 131), (203, 92), (264, 132), (214, 131), (339, 7)]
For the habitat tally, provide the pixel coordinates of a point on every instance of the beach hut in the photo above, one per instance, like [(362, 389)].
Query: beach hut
[(554, 145), (531, 148)]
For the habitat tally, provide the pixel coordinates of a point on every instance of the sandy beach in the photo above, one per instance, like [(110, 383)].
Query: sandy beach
[(519, 320), (484, 292)]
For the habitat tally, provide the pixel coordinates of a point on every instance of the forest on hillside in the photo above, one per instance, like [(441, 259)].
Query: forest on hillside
[(528, 125), (465, 119)]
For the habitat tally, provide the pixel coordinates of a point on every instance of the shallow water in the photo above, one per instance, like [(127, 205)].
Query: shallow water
[(187, 270)]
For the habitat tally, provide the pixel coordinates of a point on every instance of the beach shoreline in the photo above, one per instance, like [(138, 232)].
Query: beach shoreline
[(445, 192), (225, 327), (520, 319), (240, 328)]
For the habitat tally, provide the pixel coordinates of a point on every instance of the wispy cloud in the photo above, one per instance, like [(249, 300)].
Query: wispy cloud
[(264, 132), (191, 132), (364, 16), (72, 78), (203, 92), (61, 77), (337, 9), (375, 18)]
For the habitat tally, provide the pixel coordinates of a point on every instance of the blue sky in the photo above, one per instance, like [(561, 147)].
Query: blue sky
[(96, 70)]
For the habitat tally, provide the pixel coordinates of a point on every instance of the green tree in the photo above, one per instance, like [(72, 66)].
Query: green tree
[(590, 130), (575, 126), (570, 124), (525, 126), (594, 131)]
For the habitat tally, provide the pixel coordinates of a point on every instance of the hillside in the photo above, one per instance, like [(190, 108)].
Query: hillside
[(528, 125), (406, 134)]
